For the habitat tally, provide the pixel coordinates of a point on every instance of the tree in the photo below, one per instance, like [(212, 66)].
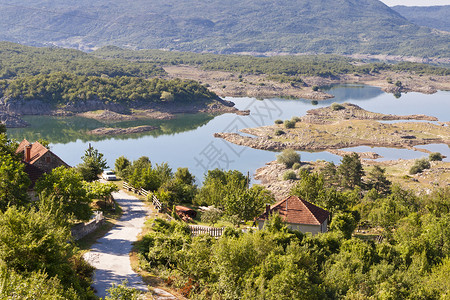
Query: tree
[(288, 157), (184, 176), (36, 285), (350, 171), (66, 190), (121, 164), (31, 240), (247, 204), (378, 181), (93, 164), (345, 222), (14, 182), (419, 166), (99, 190)]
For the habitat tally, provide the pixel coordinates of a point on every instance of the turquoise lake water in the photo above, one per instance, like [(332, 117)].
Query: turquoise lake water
[(188, 141)]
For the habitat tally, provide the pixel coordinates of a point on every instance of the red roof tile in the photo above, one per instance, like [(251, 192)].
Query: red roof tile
[(297, 211), (37, 150)]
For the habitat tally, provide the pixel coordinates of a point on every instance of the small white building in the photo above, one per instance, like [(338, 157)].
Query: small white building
[(298, 214)]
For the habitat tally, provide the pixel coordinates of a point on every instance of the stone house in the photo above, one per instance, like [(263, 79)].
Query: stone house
[(38, 159), (298, 214)]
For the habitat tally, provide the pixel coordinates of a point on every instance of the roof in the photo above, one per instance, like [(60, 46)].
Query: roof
[(295, 210), (37, 150)]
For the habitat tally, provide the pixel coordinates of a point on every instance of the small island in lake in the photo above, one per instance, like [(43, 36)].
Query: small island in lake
[(342, 126)]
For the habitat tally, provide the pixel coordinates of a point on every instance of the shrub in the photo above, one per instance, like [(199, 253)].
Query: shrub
[(278, 121), (289, 124), (296, 166), (436, 156), (315, 88), (419, 166), (389, 80), (289, 175), (296, 119), (337, 106), (288, 157), (211, 216), (398, 83), (279, 132)]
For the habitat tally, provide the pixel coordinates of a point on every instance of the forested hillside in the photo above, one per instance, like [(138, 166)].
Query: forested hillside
[(292, 26), (431, 16)]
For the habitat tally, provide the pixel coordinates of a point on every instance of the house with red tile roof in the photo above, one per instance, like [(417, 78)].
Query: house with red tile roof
[(38, 159), (298, 214)]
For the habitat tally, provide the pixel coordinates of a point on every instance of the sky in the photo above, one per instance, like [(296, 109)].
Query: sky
[(416, 2)]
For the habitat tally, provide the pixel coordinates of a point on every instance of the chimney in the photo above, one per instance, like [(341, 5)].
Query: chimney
[(267, 209), (28, 153)]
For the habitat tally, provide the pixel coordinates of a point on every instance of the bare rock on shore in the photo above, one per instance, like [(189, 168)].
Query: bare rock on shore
[(12, 120), (121, 131), (364, 155), (107, 115)]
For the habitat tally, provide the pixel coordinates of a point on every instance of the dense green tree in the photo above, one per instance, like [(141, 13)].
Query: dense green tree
[(14, 182), (350, 171), (34, 285), (93, 164), (377, 180), (248, 203), (183, 175), (66, 191), (121, 164)]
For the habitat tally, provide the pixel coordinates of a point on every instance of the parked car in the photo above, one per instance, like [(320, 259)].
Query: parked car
[(109, 175)]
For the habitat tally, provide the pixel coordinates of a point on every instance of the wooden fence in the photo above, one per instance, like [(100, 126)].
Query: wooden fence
[(212, 231), (158, 205)]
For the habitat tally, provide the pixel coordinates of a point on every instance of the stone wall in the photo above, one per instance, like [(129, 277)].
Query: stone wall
[(82, 229)]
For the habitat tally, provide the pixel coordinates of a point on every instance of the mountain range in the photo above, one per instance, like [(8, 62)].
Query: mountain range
[(244, 26), (430, 16)]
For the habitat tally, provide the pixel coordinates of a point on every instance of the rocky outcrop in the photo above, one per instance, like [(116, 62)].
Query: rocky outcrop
[(11, 120), (120, 131)]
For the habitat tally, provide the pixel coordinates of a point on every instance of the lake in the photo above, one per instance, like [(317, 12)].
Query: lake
[(188, 141)]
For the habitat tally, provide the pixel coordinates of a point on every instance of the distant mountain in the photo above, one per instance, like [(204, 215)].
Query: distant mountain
[(431, 16), (232, 26)]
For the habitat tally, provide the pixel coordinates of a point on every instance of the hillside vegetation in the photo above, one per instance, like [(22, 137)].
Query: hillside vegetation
[(288, 26), (18, 60), (64, 88), (290, 65), (431, 16)]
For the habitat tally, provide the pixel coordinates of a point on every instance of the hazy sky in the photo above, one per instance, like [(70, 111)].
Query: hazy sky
[(416, 2)]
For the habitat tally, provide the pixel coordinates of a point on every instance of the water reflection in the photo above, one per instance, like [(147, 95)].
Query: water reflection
[(181, 141)]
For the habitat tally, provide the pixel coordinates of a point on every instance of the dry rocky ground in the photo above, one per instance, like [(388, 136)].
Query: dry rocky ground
[(397, 171), (247, 85)]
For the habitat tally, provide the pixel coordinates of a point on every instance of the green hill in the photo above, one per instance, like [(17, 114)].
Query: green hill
[(292, 26), (431, 16)]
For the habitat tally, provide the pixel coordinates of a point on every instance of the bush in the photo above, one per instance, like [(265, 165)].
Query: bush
[(315, 88), (337, 106), (211, 216), (296, 166), (289, 124), (278, 121), (279, 132), (288, 157), (289, 175), (296, 119), (419, 166), (436, 156)]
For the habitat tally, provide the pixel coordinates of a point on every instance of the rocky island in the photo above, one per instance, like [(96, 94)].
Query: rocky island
[(342, 126)]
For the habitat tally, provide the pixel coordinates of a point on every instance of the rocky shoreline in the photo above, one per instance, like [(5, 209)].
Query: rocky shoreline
[(120, 131), (11, 111), (348, 126)]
